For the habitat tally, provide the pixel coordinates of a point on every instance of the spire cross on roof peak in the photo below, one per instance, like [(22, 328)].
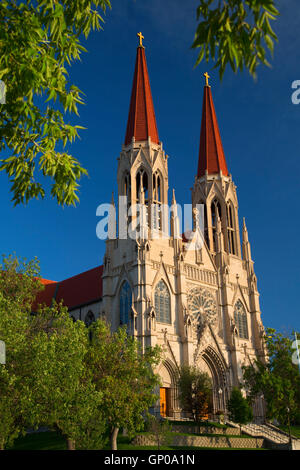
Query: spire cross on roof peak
[(206, 77), (141, 39)]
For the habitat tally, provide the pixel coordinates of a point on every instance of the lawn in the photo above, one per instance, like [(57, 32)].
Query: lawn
[(53, 441), (40, 441), (295, 430)]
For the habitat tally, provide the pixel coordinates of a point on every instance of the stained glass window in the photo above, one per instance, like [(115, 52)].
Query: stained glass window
[(202, 305), (125, 304), (162, 303), (240, 318)]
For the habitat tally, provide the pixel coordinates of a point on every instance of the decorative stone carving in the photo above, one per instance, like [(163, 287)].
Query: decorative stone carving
[(225, 274), (202, 308), (187, 325), (151, 319)]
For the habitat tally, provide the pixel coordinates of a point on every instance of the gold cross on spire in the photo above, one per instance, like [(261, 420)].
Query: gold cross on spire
[(141, 39), (206, 77)]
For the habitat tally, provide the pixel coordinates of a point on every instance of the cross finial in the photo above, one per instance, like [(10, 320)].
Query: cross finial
[(141, 39), (206, 77)]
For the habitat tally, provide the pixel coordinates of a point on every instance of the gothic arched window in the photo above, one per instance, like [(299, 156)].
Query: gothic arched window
[(162, 303), (142, 182), (215, 212), (125, 304), (89, 318), (157, 216), (231, 230), (240, 318)]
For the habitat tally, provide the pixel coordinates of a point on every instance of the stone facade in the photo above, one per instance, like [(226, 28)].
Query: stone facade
[(196, 298), (207, 287)]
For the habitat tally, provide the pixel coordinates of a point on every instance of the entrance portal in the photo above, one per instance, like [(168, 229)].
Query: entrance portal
[(164, 401)]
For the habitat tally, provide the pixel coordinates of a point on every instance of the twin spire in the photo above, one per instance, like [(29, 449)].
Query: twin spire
[(141, 120), (142, 125), (211, 154)]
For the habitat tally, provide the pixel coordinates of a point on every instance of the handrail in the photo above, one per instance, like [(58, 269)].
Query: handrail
[(262, 430)]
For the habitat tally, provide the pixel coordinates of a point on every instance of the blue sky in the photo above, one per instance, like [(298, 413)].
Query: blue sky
[(259, 128)]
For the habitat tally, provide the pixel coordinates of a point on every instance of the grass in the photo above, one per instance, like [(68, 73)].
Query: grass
[(50, 440), (295, 430)]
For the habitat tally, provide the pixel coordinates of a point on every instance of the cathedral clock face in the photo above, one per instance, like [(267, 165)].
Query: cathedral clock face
[(202, 306)]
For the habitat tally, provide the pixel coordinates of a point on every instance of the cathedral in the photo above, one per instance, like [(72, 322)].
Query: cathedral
[(199, 301)]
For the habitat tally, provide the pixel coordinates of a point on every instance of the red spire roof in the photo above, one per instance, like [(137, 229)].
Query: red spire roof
[(211, 153), (141, 120)]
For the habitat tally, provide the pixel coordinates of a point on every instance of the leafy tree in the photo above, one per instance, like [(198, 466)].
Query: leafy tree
[(235, 32), (277, 379), (160, 429), (124, 374), (64, 395), (195, 391), (239, 408), (14, 395), (19, 281), (45, 380), (38, 41), (18, 286)]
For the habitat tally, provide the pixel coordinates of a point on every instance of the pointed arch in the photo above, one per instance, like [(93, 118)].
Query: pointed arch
[(216, 211), (240, 319), (218, 371), (231, 229), (157, 195), (168, 390), (125, 303), (142, 181), (162, 302)]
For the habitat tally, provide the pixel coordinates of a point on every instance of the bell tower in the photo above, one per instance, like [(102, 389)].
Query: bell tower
[(213, 185), (239, 297), (143, 165)]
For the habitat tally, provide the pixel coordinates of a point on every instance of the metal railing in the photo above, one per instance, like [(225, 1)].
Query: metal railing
[(263, 430)]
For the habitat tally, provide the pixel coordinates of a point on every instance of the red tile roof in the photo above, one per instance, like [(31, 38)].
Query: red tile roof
[(75, 291), (46, 295), (141, 120), (211, 153)]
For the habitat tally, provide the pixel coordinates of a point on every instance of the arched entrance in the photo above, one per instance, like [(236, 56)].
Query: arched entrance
[(167, 392), (210, 361)]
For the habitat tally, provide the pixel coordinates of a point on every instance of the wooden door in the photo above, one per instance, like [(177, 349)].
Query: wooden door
[(163, 402)]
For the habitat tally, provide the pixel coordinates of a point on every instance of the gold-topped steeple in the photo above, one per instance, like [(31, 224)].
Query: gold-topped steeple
[(141, 37), (206, 77)]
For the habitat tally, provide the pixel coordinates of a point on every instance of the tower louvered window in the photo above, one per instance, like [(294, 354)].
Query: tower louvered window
[(215, 212), (157, 215), (240, 318), (162, 303), (231, 231), (142, 184)]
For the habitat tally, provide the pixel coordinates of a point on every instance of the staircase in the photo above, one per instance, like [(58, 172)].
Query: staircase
[(267, 431)]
